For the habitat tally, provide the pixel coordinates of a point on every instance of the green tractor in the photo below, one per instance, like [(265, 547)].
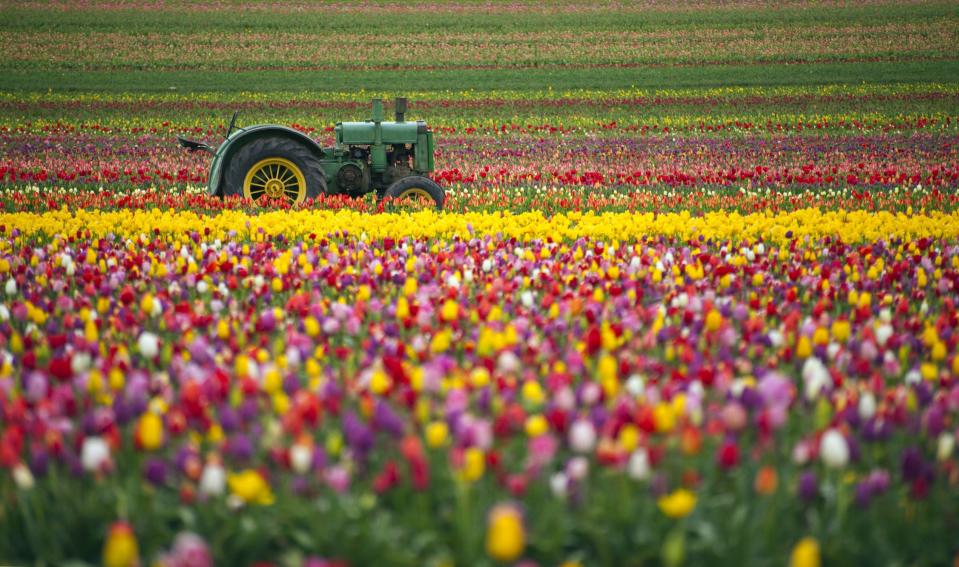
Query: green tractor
[(276, 162)]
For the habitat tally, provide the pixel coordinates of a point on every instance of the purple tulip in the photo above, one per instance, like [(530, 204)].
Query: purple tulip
[(240, 447), (911, 464), (155, 471), (39, 461), (878, 481), (808, 487), (358, 435), (386, 419), (864, 493), (229, 418)]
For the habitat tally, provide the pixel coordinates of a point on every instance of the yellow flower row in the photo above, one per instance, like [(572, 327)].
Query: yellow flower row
[(852, 226)]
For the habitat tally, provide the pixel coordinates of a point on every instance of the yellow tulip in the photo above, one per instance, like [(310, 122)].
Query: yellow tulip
[(474, 464), (678, 504), (450, 310), (805, 554), (505, 534), (150, 431), (436, 434), (120, 548), (713, 320), (251, 487), (536, 425)]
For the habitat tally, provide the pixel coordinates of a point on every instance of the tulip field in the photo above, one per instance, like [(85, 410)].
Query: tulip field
[(693, 298)]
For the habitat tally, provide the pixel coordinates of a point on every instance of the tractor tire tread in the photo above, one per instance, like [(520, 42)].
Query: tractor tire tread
[(275, 146), (436, 192)]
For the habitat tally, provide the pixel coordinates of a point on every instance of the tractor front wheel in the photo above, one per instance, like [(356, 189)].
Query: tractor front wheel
[(416, 187), (277, 168)]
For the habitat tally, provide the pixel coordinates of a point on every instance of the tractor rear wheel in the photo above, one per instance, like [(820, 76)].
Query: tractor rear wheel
[(415, 187), (278, 168)]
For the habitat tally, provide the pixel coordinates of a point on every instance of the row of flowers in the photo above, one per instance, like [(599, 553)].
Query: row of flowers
[(490, 98), (251, 49), (560, 122), (850, 226), (468, 198), (513, 158)]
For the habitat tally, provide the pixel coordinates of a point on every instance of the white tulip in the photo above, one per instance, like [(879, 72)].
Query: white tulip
[(508, 362), (833, 449), (527, 298), (582, 436), (945, 446), (577, 468), (94, 454), (913, 377), (22, 477), (815, 376), (867, 405), (638, 467), (776, 338), (883, 332), (566, 399), (301, 458), (559, 485), (635, 385), (213, 480), (832, 350), (80, 362), (149, 344)]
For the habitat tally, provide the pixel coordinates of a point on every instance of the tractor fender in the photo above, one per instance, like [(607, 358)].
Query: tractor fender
[(243, 136)]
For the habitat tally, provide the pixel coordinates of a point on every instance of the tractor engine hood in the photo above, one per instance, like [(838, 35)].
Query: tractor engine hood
[(362, 133)]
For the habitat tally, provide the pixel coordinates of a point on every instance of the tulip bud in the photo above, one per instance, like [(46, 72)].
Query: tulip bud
[(805, 554), (94, 454), (149, 433), (867, 405), (213, 479), (833, 449), (301, 457), (673, 551), (577, 468), (638, 467), (121, 549), (505, 534), (815, 377), (559, 485), (149, 345), (527, 298), (22, 477), (945, 446), (582, 436)]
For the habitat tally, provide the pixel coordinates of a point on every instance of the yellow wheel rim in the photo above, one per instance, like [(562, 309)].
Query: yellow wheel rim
[(276, 178), (415, 193)]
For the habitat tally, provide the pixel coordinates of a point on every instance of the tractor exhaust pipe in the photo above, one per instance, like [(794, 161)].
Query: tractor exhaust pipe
[(400, 108)]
